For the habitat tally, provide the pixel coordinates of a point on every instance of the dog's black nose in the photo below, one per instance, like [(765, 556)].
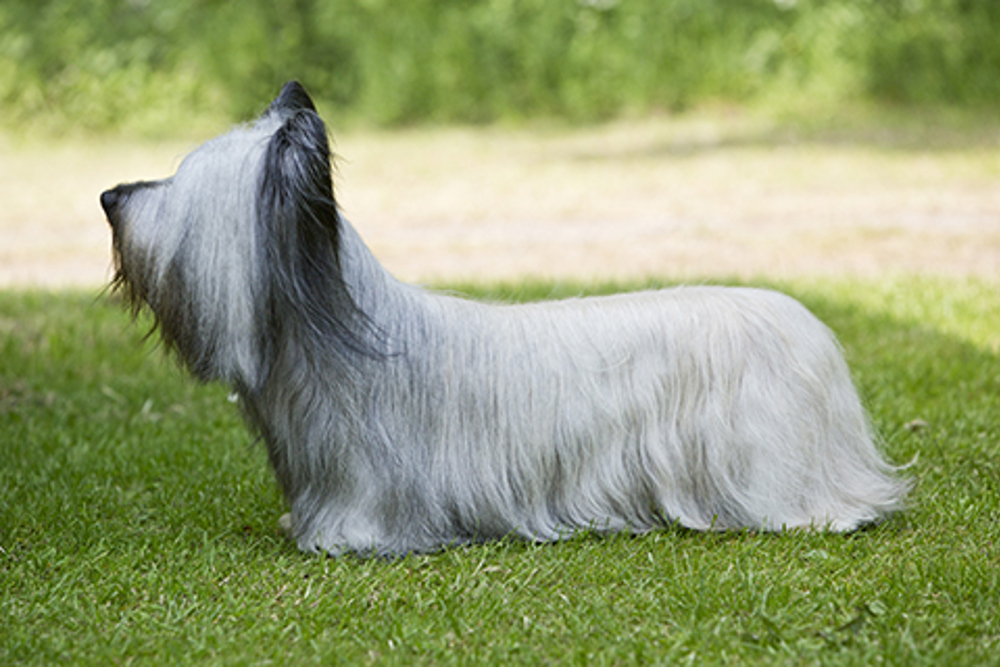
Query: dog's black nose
[(109, 201)]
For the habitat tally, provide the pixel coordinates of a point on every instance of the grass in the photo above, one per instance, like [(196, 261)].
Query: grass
[(137, 522)]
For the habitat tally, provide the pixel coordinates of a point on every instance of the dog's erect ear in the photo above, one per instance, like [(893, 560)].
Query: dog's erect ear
[(297, 171), (298, 154), (293, 97), (296, 196), (299, 216)]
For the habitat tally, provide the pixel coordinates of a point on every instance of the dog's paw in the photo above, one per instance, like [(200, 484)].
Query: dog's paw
[(285, 524)]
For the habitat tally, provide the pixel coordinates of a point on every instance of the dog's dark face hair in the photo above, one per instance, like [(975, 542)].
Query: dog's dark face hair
[(239, 246)]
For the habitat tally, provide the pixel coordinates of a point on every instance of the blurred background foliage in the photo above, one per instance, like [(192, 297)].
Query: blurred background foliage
[(150, 67)]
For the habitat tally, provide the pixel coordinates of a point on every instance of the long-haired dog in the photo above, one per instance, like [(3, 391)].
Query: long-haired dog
[(399, 420)]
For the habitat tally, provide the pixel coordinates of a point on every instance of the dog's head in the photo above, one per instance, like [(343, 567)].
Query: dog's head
[(237, 246)]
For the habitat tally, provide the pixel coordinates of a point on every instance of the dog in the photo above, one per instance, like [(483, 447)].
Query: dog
[(398, 420)]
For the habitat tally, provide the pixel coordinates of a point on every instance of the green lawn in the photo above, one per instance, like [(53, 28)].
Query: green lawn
[(138, 522)]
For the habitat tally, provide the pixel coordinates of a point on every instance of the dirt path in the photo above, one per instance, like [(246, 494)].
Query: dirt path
[(678, 198)]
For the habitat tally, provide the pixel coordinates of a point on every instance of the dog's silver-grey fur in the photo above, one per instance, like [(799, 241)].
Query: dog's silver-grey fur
[(401, 420)]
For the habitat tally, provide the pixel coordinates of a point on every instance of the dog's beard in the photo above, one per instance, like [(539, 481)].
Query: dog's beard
[(129, 291)]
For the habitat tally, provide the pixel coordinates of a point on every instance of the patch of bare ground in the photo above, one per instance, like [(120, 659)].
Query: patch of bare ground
[(689, 198)]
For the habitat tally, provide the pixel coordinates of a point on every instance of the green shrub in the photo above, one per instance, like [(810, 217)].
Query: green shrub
[(148, 66)]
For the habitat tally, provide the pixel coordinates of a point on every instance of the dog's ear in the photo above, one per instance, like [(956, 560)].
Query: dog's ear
[(296, 176), (296, 196), (297, 204), (300, 219), (293, 97)]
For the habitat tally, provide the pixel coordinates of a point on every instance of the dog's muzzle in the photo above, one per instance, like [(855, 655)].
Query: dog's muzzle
[(116, 199), (110, 201)]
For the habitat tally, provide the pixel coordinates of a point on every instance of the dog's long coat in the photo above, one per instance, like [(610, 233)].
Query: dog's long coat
[(401, 420)]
